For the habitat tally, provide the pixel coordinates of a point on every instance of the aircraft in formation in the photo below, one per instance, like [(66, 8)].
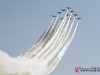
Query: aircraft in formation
[(59, 12), (61, 18), (72, 11), (79, 18), (53, 15), (75, 14), (68, 7), (63, 9), (67, 14)]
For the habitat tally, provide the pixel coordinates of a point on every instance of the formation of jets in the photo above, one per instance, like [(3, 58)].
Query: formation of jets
[(67, 14)]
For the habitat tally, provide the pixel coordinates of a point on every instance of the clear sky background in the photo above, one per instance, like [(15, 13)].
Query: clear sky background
[(23, 21)]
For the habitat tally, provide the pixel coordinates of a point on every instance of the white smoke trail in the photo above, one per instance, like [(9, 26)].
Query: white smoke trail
[(39, 43), (47, 29), (60, 55), (21, 66), (53, 37), (54, 52), (57, 42), (52, 29), (33, 53)]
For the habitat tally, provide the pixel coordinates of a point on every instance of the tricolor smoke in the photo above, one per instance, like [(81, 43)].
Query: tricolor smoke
[(43, 57)]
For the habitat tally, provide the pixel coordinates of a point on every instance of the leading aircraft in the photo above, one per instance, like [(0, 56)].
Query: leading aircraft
[(68, 7), (63, 9)]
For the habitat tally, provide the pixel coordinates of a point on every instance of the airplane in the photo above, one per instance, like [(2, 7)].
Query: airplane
[(72, 11), (67, 15), (75, 14), (79, 18), (53, 15), (59, 12), (63, 9), (61, 18), (68, 7)]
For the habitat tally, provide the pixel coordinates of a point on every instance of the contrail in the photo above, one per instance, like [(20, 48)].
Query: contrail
[(47, 37), (54, 52), (38, 45), (53, 37), (57, 41), (54, 41), (60, 55)]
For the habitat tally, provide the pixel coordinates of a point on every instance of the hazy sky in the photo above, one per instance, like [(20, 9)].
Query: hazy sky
[(23, 21)]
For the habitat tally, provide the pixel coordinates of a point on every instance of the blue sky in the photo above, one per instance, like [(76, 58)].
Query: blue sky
[(23, 21)]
